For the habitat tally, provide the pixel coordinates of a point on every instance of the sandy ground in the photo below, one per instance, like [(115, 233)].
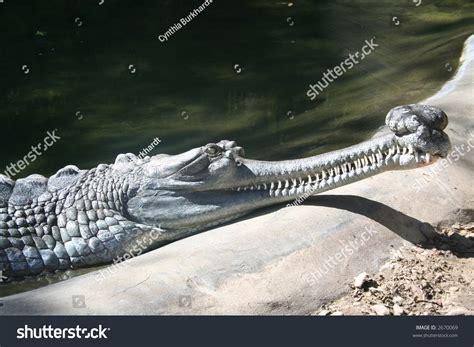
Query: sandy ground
[(435, 278)]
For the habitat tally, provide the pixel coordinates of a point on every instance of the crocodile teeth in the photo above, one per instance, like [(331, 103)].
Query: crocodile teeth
[(340, 171)]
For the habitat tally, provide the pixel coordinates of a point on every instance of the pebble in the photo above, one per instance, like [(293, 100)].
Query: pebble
[(380, 310), (397, 299), (361, 279), (398, 310)]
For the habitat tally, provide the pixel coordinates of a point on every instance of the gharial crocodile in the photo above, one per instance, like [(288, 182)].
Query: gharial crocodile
[(80, 218)]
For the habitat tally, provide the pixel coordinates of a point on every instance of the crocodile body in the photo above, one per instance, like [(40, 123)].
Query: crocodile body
[(80, 218), (73, 219)]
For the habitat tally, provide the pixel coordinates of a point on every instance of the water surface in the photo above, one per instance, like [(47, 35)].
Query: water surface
[(239, 70)]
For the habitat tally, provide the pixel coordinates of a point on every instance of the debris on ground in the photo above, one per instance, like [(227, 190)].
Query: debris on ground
[(434, 279)]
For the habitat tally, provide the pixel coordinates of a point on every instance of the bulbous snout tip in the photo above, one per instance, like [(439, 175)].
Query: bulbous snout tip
[(420, 127), (407, 119)]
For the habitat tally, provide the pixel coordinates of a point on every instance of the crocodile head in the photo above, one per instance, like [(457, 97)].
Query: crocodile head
[(214, 183)]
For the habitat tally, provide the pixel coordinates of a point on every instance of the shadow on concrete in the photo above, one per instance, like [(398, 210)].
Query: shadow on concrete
[(409, 228)]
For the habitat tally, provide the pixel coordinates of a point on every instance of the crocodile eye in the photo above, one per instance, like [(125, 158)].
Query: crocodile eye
[(213, 150)]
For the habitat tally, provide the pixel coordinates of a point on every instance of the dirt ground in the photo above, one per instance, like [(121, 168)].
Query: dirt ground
[(436, 278)]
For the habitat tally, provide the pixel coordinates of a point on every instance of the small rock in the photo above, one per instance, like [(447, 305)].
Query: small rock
[(398, 310), (324, 313), (361, 279), (380, 310), (337, 313), (453, 289), (397, 299)]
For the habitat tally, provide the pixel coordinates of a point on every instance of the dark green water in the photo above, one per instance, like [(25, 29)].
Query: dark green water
[(188, 92)]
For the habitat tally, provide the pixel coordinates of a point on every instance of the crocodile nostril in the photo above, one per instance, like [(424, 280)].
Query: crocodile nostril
[(406, 119), (226, 144), (239, 151)]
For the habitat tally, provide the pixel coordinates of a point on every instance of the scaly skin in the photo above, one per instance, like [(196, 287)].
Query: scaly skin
[(78, 225), (80, 218)]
